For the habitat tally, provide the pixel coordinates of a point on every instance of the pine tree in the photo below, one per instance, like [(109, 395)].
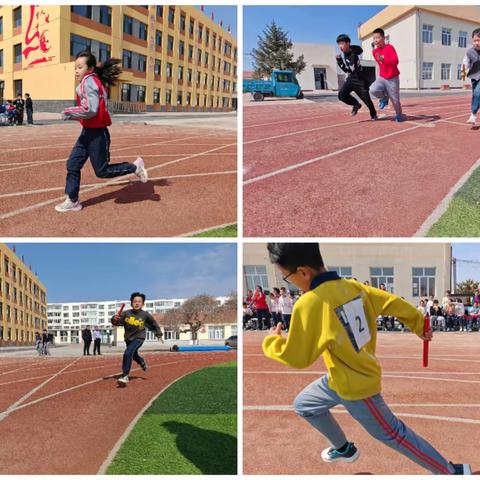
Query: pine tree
[(274, 52)]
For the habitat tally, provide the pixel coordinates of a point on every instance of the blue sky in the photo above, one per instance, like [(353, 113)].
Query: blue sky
[(305, 24), (467, 251), (227, 14), (98, 271)]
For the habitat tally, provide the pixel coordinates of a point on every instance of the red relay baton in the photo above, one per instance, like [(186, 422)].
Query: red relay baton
[(426, 328), (120, 311)]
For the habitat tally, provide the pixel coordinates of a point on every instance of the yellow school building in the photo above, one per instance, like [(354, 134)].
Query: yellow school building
[(23, 301), (174, 58)]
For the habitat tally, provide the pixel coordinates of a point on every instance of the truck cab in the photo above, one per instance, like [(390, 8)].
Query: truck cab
[(283, 83)]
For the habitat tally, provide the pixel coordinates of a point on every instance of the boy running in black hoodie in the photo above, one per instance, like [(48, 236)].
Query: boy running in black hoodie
[(349, 62), (135, 321)]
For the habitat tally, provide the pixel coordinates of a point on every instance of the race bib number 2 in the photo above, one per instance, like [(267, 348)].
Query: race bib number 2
[(353, 318)]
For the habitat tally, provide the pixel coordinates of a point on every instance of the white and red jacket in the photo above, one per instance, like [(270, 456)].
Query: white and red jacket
[(92, 110)]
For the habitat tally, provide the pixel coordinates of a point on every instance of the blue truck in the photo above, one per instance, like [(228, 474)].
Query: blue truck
[(283, 83)]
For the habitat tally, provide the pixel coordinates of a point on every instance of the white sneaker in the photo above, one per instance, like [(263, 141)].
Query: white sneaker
[(472, 119), (69, 206), (122, 381), (141, 171)]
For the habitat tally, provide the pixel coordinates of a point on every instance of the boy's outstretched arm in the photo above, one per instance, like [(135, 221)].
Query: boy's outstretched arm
[(387, 304), (304, 343)]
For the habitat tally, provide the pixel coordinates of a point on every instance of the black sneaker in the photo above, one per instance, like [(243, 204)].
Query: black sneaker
[(461, 468), (348, 454), (144, 366), (355, 109)]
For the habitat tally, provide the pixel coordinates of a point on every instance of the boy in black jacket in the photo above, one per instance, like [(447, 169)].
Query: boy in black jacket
[(135, 322), (349, 62)]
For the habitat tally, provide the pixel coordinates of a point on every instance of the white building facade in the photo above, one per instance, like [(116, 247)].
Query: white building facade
[(431, 42), (410, 270), (67, 320)]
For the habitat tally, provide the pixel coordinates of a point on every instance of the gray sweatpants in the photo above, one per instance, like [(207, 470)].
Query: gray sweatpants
[(383, 87), (314, 404)]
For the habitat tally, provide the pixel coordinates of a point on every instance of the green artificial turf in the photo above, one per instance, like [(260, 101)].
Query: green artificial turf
[(228, 231), (191, 428)]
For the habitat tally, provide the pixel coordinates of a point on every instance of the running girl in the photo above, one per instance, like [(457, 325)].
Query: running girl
[(94, 141)]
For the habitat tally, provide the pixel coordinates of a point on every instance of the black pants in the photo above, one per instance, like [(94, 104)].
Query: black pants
[(86, 347), (93, 143), (358, 86), (30, 116), (96, 346)]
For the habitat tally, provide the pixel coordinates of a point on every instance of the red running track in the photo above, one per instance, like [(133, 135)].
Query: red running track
[(441, 403), (64, 416), (313, 170), (191, 187)]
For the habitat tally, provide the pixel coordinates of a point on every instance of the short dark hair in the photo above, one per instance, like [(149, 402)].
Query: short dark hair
[(380, 31), (476, 33), (27, 94), (294, 255), (137, 294), (343, 37)]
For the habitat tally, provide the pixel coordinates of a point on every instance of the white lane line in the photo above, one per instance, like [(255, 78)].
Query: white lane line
[(288, 408), (321, 372), (331, 154), (14, 406), (21, 368), (203, 230), (36, 206), (61, 392), (442, 207), (54, 189)]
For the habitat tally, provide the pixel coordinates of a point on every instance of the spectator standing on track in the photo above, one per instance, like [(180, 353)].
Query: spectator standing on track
[(44, 341), (286, 307), (261, 308), (349, 61), (471, 67), (38, 343), (94, 140), (387, 86), (274, 305), (336, 319), (97, 340), (29, 109), (87, 340), (135, 321), (19, 107)]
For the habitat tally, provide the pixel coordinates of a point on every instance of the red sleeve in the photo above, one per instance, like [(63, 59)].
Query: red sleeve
[(390, 56)]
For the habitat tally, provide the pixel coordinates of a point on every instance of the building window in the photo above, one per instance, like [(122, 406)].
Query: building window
[(17, 17), (254, 274), (82, 10), (181, 48), (191, 28), (156, 95), (216, 332), (459, 71), (207, 37), (180, 72), (169, 70), (105, 15), (188, 99), (182, 22), (1, 61), (427, 33), (427, 71), (142, 31), (379, 275), (159, 10), (206, 59), (158, 38), (140, 93), (189, 74), (170, 44), (423, 282), (199, 55), (99, 49), (200, 32), (17, 53), (226, 67), (462, 39), (127, 59), (344, 272), (446, 36), (168, 97), (158, 67), (127, 24), (179, 97), (227, 48), (445, 71), (171, 15), (126, 92), (1, 25), (190, 51)]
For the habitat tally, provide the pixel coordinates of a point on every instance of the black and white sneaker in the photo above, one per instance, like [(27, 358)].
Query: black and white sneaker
[(144, 366), (122, 381), (348, 453), (355, 109), (461, 468)]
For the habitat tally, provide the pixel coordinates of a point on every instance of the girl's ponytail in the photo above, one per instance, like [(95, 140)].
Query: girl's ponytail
[(108, 72)]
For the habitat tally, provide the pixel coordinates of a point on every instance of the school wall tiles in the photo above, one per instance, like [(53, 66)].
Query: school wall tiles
[(47, 68)]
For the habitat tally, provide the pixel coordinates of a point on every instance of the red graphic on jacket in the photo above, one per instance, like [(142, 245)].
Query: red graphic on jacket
[(36, 40)]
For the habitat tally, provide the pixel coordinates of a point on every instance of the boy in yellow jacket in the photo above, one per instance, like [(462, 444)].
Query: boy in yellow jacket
[(336, 318)]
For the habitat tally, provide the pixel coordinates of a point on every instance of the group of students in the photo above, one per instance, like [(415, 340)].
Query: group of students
[(387, 86), (14, 110), (261, 312), (451, 314), (43, 341)]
